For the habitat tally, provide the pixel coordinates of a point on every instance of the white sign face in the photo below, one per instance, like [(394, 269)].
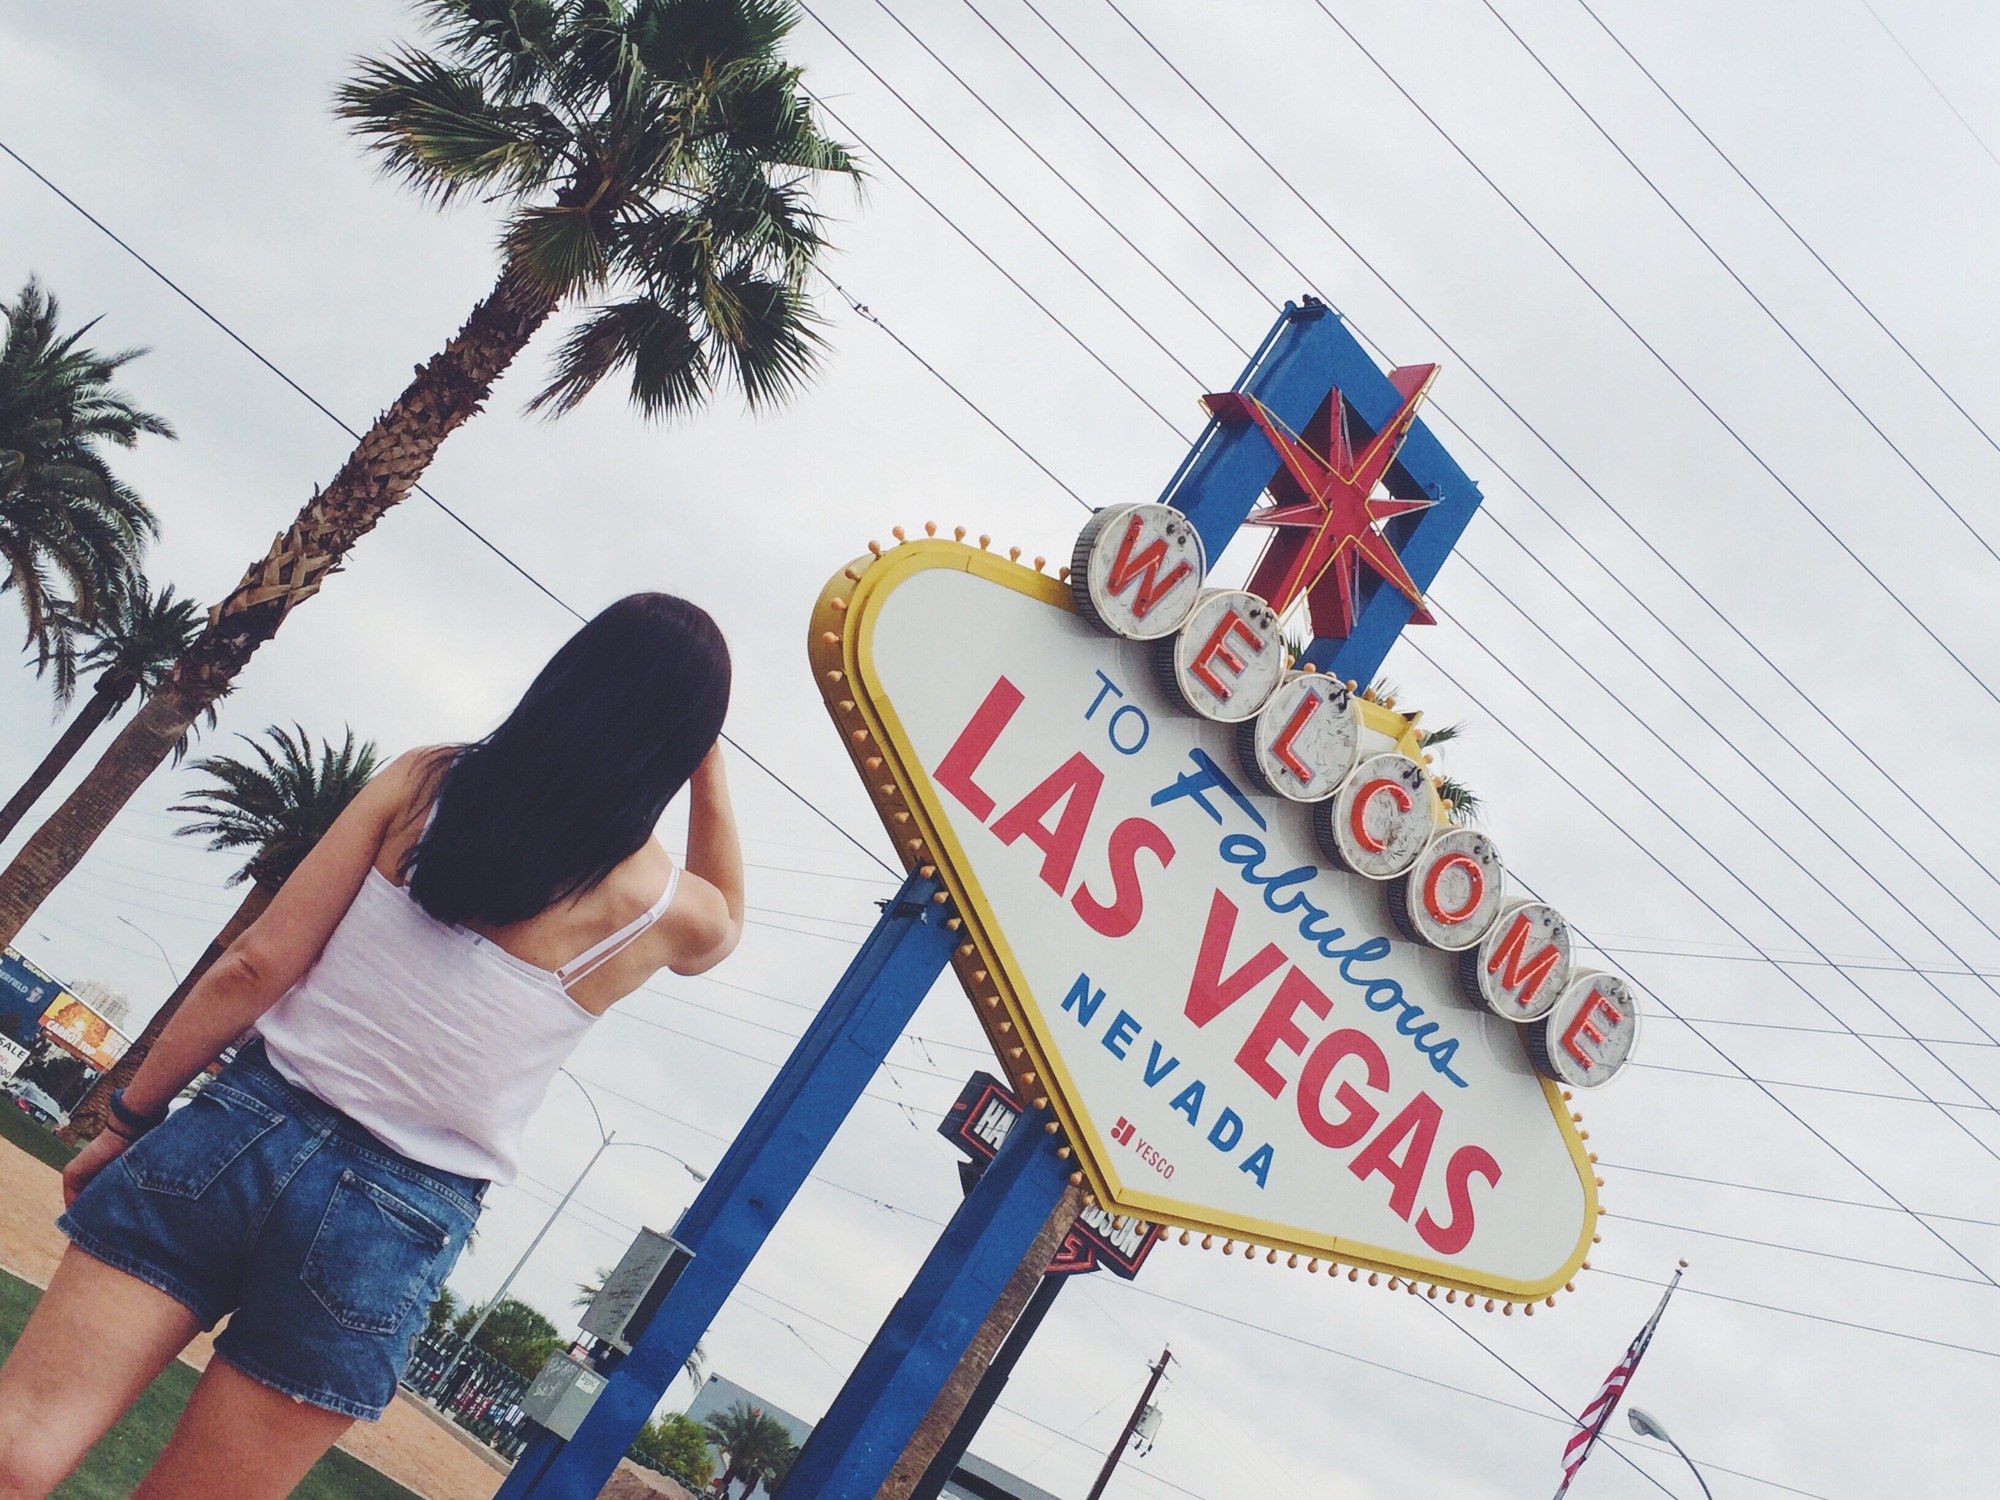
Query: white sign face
[(1304, 739), (1235, 1035), (13, 1057)]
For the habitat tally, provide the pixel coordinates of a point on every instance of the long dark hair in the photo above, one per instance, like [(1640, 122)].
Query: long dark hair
[(573, 782)]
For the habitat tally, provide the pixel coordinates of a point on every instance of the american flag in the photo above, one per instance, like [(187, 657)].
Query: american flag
[(1595, 1415)]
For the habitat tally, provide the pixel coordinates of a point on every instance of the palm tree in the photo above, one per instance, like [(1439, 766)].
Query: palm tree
[(278, 807), (65, 518), (756, 1448), (134, 644), (654, 158)]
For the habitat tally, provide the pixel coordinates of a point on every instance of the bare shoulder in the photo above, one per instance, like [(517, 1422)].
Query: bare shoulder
[(400, 794)]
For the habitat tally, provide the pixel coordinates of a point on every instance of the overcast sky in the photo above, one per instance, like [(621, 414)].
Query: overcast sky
[(202, 135)]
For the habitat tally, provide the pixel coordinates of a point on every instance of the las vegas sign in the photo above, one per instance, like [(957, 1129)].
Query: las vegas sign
[(1214, 912)]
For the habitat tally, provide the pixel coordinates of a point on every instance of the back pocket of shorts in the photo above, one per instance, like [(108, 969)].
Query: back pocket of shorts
[(372, 1256), (198, 1144)]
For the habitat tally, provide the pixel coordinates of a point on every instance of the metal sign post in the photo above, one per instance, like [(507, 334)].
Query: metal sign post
[(753, 1185), (866, 1429)]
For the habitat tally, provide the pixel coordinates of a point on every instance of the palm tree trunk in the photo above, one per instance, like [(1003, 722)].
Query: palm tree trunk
[(94, 1112), (99, 707), (971, 1368), (390, 458)]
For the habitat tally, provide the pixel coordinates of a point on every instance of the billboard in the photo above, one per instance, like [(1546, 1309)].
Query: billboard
[(25, 992), (13, 1057), (1217, 917), (80, 1030)]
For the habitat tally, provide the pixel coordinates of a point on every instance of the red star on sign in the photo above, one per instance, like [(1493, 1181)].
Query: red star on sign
[(1325, 512)]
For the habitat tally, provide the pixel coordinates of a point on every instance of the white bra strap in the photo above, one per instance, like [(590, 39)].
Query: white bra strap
[(598, 953)]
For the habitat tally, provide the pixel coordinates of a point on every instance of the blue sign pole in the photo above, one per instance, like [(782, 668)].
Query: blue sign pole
[(753, 1185), (870, 1422)]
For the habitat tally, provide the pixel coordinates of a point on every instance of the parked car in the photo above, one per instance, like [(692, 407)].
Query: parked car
[(36, 1103)]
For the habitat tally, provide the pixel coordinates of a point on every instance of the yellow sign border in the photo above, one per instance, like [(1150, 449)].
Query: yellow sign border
[(840, 647)]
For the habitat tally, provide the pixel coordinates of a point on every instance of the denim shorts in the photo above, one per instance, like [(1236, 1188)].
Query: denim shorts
[(323, 1247)]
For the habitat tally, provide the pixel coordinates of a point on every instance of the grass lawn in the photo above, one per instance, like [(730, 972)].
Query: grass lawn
[(117, 1463), (34, 1138)]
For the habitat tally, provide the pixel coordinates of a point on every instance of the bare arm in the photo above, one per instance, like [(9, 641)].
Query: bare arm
[(279, 946), (715, 906)]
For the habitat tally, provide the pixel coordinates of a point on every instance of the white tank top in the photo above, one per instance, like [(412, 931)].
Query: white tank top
[(437, 1041)]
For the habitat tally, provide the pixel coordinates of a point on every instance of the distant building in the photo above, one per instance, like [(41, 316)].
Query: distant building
[(973, 1479)]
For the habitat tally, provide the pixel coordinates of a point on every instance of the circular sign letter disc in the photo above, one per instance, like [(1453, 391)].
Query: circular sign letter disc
[(1588, 1036), (1137, 570), (1522, 965), (1381, 819), (1452, 893), (1304, 739), (1226, 659)]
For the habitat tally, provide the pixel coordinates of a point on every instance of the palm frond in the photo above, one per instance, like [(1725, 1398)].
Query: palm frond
[(766, 333), (1465, 802), (1443, 736), (280, 804), (661, 154), (438, 131), (559, 246), (670, 369), (66, 520)]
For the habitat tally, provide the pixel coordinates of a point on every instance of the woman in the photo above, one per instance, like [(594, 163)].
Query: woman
[(412, 989)]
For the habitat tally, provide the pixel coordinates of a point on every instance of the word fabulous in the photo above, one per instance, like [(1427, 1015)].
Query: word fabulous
[(1137, 572)]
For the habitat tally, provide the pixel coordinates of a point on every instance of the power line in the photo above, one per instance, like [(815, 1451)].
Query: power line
[(1806, 244), (1924, 73), (1757, 826), (1717, 256), (861, 310), (1665, 364), (1754, 1187), (1077, 193), (1535, 432), (1723, 866), (982, 252), (467, 526), (1929, 1101), (1853, 1260), (1793, 1312), (1710, 1042), (1025, 217)]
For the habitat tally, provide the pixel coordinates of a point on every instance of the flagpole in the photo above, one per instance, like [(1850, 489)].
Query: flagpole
[(1637, 1352)]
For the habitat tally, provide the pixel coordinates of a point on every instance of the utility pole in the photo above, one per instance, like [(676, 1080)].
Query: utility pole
[(1131, 1425)]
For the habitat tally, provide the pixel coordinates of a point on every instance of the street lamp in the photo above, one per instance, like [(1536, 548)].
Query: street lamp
[(1648, 1426), (605, 1140), (155, 942)]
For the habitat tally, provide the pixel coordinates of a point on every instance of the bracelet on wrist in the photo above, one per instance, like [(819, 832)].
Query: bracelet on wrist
[(135, 1123)]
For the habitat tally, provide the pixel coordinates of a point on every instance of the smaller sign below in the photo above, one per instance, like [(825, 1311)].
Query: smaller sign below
[(81, 1031), (13, 1056), (978, 1123)]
